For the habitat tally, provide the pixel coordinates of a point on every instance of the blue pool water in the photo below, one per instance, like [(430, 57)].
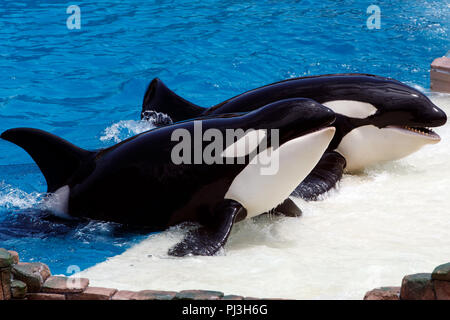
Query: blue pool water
[(87, 85)]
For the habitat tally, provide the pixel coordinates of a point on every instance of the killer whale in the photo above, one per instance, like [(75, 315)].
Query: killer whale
[(377, 119), (137, 181)]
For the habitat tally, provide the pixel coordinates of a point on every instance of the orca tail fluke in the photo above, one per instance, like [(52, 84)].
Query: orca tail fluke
[(160, 98), (58, 159)]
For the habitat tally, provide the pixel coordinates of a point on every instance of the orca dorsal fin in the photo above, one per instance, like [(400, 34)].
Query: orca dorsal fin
[(57, 158), (160, 98)]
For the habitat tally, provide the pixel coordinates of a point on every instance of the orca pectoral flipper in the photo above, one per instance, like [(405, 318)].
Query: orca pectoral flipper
[(208, 239), (288, 208), (323, 177)]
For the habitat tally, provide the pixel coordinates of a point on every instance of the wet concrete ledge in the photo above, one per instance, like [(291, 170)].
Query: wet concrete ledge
[(34, 281)]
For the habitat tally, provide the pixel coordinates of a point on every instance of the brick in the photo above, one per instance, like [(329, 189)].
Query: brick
[(198, 295), (154, 295), (232, 297), (123, 295), (383, 293), (60, 284), (93, 293), (45, 296)]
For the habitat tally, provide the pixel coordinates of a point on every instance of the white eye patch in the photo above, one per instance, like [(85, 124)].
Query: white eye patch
[(245, 145), (351, 108)]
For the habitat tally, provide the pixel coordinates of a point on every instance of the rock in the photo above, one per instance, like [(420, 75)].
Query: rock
[(440, 75), (6, 259), (123, 295), (45, 296), (417, 287), (93, 293), (441, 272), (5, 284), (442, 289), (383, 293), (232, 297), (154, 295), (15, 256), (198, 295), (33, 274), (441, 63), (60, 284), (18, 289)]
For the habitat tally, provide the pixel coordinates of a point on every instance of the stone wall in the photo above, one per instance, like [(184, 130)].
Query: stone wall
[(34, 281), (419, 286)]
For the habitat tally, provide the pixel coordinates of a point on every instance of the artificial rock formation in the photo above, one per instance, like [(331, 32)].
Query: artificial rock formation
[(419, 286)]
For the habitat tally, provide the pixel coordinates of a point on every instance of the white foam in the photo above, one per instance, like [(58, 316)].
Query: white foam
[(11, 197), (127, 128), (389, 221), (124, 129)]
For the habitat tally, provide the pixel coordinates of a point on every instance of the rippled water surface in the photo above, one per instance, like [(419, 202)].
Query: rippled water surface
[(87, 86)]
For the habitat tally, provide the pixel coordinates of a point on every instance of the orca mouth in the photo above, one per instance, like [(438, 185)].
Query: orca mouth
[(421, 131)]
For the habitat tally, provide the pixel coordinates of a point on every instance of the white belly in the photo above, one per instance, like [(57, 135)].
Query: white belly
[(260, 188)]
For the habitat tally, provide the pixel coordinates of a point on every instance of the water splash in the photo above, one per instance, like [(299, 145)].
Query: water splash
[(125, 129), (14, 198)]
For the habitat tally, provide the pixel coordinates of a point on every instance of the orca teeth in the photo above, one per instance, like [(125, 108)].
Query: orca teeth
[(421, 130)]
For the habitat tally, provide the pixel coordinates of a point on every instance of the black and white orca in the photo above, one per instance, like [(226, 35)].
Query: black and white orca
[(377, 119), (137, 181)]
